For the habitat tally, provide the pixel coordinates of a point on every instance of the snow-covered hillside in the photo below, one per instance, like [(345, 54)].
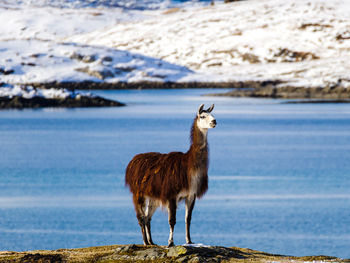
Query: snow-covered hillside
[(29, 61), (33, 48), (305, 43)]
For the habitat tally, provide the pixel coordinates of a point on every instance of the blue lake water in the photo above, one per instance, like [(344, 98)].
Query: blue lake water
[(279, 174)]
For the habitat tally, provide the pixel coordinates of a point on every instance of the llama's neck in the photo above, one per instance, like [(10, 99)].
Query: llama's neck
[(199, 146), (199, 137), (198, 161)]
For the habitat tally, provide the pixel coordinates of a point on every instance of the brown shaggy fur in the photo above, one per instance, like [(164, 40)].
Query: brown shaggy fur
[(164, 176)]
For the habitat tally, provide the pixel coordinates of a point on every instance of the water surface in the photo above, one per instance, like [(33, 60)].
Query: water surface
[(278, 178)]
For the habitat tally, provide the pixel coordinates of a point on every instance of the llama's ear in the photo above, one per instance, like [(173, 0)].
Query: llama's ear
[(200, 109), (211, 108)]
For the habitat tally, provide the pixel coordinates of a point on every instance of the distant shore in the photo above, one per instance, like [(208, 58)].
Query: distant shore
[(254, 89), (91, 85), (310, 94), (139, 253)]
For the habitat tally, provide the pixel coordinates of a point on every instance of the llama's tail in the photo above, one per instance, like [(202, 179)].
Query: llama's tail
[(127, 176), (131, 175)]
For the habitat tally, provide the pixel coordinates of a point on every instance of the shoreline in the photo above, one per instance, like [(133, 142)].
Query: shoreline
[(141, 253), (18, 102), (336, 93), (255, 89), (272, 89), (90, 85)]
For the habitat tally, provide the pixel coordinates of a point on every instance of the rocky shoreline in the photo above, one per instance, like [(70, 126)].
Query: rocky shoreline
[(274, 89), (318, 94), (39, 102), (91, 85), (28, 96), (140, 253)]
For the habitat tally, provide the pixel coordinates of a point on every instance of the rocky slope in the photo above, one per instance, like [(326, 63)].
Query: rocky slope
[(138, 253)]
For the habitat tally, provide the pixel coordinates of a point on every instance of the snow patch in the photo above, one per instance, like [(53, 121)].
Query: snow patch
[(195, 245), (29, 92)]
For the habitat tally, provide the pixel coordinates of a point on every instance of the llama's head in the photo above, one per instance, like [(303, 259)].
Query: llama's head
[(205, 120)]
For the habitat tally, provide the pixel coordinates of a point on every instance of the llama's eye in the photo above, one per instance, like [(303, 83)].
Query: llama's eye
[(202, 117)]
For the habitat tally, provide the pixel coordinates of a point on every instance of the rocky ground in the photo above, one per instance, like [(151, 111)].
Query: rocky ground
[(138, 253)]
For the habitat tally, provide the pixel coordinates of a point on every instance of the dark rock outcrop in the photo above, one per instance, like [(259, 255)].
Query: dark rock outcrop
[(91, 85), (326, 94), (40, 102)]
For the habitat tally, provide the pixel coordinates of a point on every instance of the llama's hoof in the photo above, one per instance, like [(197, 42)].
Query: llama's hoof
[(171, 244), (146, 243), (189, 242)]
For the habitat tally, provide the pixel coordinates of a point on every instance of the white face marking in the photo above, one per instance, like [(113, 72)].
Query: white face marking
[(206, 120)]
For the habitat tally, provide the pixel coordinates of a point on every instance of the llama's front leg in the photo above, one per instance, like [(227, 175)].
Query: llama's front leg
[(172, 221), (190, 201)]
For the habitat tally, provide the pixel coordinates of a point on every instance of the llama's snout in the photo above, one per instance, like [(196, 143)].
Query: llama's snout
[(213, 123)]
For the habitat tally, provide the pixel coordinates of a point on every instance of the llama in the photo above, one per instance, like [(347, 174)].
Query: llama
[(157, 179)]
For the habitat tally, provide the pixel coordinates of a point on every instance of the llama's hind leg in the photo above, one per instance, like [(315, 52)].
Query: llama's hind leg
[(172, 221), (151, 207), (139, 203)]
